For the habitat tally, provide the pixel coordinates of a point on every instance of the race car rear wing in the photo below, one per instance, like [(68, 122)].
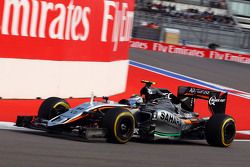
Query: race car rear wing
[(216, 100)]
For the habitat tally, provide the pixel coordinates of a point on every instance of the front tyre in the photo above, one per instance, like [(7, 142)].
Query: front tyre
[(51, 107), (220, 130), (120, 124)]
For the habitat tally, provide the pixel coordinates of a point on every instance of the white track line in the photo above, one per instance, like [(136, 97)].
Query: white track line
[(243, 140), (11, 126), (245, 132), (185, 78)]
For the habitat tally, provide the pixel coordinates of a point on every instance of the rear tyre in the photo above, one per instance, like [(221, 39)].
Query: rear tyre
[(52, 107), (220, 130), (120, 124)]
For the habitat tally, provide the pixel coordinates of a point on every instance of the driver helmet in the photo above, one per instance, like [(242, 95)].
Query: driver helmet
[(135, 100)]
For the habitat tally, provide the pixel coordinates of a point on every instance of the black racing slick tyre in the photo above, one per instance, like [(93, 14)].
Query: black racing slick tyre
[(120, 124), (220, 130), (51, 107)]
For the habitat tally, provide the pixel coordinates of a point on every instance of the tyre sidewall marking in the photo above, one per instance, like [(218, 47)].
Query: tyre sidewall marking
[(115, 125), (222, 131), (61, 103)]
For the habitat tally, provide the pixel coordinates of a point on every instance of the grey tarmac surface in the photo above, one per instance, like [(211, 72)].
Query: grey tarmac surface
[(22, 149), (225, 73), (39, 149)]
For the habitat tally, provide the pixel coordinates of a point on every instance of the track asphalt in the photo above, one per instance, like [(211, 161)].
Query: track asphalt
[(226, 73), (38, 149)]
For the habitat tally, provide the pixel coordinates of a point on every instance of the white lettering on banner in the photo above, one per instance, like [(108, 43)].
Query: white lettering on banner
[(228, 57), (122, 22), (106, 17), (191, 51), (237, 58), (140, 45), (31, 18), (34, 18), (216, 55), (15, 20), (160, 48), (76, 16), (186, 51), (177, 50)]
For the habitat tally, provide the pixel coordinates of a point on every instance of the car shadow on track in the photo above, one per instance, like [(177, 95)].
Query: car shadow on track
[(59, 136), (103, 140), (172, 142)]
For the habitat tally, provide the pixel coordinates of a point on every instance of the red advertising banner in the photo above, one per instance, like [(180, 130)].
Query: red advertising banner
[(69, 30), (190, 51)]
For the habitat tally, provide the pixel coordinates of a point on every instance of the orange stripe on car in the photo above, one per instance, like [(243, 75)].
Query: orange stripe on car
[(83, 116), (77, 118), (188, 121)]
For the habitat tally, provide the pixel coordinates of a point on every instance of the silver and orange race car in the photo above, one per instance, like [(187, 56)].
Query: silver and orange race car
[(154, 114)]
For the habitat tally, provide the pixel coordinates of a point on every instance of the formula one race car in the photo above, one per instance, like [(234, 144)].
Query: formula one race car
[(88, 120), (156, 113), (160, 114)]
